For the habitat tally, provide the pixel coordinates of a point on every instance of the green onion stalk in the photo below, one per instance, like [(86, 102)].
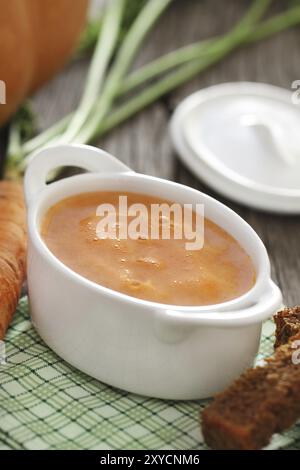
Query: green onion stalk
[(97, 113)]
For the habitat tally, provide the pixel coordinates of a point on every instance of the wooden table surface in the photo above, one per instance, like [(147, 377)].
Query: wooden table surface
[(143, 142)]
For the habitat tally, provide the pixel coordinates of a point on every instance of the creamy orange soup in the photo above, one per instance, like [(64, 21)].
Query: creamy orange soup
[(158, 270)]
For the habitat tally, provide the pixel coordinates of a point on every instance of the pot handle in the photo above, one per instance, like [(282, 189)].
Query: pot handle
[(174, 326), (86, 157)]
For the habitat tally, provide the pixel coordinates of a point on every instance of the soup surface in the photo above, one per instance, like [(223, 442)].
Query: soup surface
[(159, 270)]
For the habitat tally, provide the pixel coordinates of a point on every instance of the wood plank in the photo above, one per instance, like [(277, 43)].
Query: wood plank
[(143, 143)]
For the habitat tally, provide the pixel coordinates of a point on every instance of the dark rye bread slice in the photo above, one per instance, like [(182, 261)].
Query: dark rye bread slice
[(287, 323), (263, 401)]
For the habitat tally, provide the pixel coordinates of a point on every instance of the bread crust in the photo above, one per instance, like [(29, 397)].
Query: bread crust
[(287, 323), (264, 400)]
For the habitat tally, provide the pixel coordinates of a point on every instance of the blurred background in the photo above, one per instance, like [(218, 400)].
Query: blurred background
[(143, 142)]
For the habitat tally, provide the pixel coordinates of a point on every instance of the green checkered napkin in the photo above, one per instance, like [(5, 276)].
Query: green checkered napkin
[(47, 404)]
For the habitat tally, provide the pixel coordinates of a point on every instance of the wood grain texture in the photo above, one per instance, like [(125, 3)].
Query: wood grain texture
[(143, 143)]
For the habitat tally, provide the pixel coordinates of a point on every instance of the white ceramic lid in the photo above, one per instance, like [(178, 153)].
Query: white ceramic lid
[(243, 140)]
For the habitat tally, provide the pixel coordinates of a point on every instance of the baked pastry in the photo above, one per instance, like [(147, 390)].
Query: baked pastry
[(13, 242), (287, 324), (263, 401)]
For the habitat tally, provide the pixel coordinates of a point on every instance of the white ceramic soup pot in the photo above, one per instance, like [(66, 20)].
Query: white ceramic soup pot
[(153, 349)]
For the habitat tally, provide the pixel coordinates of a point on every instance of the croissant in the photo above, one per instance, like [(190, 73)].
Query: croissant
[(13, 241)]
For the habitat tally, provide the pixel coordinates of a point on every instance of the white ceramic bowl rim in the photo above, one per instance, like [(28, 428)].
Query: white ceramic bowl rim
[(37, 192)]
